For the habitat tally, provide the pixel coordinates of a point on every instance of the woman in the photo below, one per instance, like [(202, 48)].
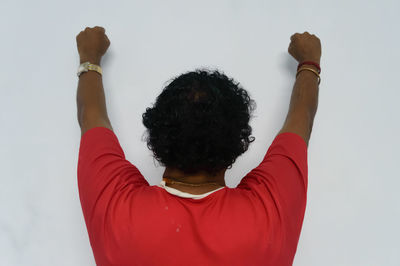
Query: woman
[(197, 128)]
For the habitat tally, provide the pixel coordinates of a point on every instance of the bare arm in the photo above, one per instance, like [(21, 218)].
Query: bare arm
[(91, 102), (303, 105), (90, 99), (304, 99)]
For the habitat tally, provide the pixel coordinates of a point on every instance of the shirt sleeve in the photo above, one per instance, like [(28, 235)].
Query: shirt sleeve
[(103, 175), (279, 183)]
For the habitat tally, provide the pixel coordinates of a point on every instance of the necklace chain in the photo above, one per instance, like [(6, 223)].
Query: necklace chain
[(194, 185)]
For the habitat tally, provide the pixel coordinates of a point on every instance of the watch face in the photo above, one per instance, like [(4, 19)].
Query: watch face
[(83, 68)]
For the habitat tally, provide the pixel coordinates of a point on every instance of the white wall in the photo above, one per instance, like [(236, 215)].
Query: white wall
[(353, 214)]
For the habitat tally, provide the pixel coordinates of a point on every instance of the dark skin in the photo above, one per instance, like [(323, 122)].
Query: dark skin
[(92, 112)]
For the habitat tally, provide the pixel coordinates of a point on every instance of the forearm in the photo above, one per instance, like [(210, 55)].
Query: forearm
[(90, 95), (303, 105), (304, 96)]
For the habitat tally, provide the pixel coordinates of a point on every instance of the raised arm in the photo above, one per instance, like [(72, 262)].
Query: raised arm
[(90, 99), (304, 99)]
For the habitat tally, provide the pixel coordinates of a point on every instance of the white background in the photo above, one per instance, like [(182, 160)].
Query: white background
[(353, 214)]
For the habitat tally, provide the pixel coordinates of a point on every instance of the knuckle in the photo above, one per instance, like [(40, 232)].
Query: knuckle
[(99, 28)]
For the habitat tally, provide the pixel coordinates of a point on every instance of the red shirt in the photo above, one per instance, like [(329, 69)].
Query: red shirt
[(130, 222)]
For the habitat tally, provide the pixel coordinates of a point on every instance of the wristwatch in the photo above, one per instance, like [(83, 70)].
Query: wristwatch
[(85, 67)]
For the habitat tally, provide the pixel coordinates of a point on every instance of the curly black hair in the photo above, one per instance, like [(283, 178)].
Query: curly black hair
[(200, 122)]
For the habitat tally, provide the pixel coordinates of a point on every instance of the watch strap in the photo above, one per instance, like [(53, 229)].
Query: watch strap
[(96, 68), (86, 66)]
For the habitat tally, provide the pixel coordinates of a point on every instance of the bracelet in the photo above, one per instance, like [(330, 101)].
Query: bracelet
[(310, 63), (315, 72)]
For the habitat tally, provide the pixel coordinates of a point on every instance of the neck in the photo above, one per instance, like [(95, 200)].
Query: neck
[(198, 178)]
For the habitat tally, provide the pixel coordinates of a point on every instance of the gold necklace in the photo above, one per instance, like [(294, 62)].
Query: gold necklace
[(194, 185)]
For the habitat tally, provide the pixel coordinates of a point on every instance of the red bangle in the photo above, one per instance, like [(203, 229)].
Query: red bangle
[(310, 63)]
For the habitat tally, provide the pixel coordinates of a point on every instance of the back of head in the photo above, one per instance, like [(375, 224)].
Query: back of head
[(200, 122)]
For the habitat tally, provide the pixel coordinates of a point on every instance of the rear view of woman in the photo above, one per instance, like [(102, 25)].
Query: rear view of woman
[(197, 128)]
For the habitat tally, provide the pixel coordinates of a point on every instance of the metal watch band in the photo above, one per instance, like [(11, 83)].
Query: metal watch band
[(95, 68), (86, 66)]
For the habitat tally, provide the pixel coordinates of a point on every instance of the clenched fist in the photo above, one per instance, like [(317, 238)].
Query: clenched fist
[(92, 44), (305, 47)]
